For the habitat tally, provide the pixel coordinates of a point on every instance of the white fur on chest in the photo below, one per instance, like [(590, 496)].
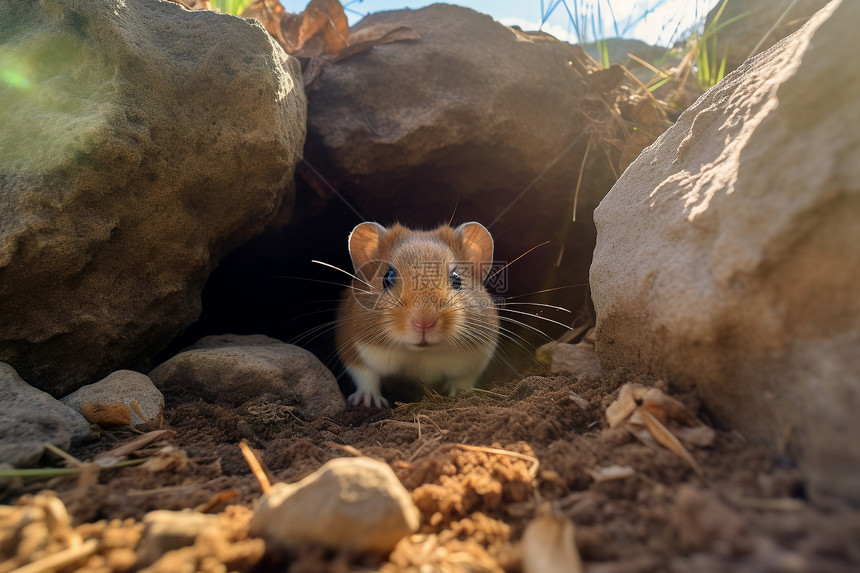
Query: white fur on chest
[(427, 366)]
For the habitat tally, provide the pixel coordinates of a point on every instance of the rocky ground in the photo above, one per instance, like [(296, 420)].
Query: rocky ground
[(479, 469)]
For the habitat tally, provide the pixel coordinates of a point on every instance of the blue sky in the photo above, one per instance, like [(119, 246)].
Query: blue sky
[(654, 21)]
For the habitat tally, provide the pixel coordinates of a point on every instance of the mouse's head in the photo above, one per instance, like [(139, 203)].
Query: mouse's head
[(424, 289)]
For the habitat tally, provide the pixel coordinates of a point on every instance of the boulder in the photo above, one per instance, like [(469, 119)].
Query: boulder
[(30, 418), (232, 370), (479, 121), (755, 27), (355, 505), (120, 387), (140, 143), (728, 253)]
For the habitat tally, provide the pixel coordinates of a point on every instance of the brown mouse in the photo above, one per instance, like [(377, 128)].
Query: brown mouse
[(417, 308)]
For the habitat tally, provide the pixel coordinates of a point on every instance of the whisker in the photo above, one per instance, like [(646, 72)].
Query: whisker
[(544, 291), (308, 280), (515, 260), (506, 304), (344, 272), (524, 325), (537, 316)]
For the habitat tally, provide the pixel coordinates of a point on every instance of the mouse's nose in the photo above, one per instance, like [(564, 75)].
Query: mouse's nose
[(423, 323)]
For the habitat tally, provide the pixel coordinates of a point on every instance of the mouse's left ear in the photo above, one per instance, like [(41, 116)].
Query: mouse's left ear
[(477, 245)]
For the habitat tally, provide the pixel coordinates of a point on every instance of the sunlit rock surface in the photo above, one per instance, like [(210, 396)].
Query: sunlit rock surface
[(728, 254)]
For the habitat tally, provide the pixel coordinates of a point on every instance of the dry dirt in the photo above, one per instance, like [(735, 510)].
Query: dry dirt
[(478, 467)]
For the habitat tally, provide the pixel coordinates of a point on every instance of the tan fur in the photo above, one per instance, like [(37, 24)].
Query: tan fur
[(379, 331)]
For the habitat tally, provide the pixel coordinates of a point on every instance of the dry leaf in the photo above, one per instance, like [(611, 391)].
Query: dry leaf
[(623, 407), (106, 414), (327, 18), (667, 439), (663, 407), (549, 546), (650, 409), (375, 35)]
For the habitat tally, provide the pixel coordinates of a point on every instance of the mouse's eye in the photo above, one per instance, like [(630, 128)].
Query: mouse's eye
[(456, 281), (389, 278)]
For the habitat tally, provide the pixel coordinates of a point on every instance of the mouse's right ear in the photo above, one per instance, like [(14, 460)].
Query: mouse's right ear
[(364, 243)]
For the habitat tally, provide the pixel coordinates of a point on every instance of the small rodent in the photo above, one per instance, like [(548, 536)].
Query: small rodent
[(417, 308)]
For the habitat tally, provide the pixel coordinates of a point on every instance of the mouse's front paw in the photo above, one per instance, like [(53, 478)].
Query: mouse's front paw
[(368, 400)]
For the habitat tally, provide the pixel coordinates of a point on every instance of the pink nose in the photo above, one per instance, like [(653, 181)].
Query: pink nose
[(423, 323)]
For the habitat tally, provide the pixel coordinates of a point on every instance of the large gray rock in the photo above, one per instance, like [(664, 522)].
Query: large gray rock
[(350, 504), (233, 369), (728, 254), (139, 143), (30, 418), (120, 387), (484, 117)]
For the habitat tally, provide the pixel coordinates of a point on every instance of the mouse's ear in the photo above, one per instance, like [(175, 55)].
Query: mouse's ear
[(477, 245), (364, 243)]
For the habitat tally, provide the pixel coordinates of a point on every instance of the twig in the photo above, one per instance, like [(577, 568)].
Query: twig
[(217, 500), (255, 466), (70, 460), (532, 471), (351, 450), (135, 444), (54, 472), (60, 560), (579, 178), (429, 421)]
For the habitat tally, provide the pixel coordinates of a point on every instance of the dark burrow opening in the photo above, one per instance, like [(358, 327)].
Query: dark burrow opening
[(271, 286)]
